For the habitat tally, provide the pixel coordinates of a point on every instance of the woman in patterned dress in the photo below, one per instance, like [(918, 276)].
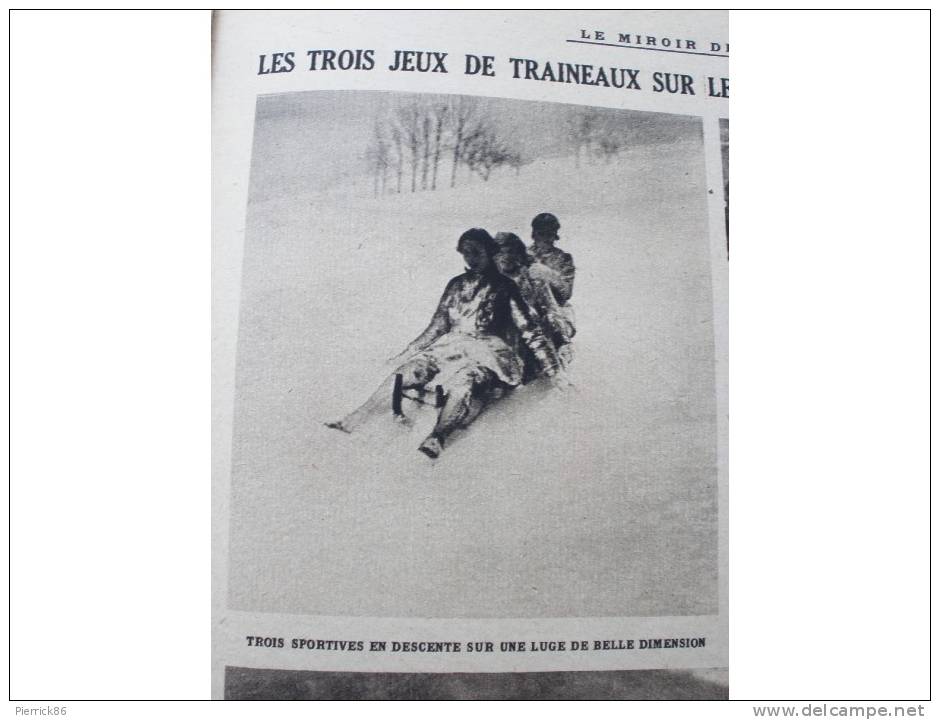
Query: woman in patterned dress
[(467, 348), (533, 282)]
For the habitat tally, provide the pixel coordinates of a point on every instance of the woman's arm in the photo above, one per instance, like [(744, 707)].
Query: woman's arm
[(560, 280), (439, 325)]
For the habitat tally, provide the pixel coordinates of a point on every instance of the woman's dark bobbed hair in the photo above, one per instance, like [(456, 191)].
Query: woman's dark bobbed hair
[(480, 237), (511, 242)]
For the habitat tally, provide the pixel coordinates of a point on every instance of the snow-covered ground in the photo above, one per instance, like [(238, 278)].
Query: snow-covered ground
[(597, 501)]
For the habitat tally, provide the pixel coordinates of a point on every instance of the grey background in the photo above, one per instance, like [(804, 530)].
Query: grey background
[(600, 501)]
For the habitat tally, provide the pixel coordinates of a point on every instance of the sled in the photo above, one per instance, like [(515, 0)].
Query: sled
[(417, 395)]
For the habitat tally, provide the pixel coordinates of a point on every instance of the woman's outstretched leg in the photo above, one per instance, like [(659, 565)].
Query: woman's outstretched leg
[(415, 373), (466, 398)]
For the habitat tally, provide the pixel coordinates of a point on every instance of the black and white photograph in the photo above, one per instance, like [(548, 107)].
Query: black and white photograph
[(475, 366), (476, 420)]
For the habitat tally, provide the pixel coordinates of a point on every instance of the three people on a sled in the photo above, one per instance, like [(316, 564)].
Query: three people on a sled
[(486, 335)]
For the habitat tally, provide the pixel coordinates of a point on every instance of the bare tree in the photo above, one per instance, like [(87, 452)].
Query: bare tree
[(408, 118), (425, 121), (515, 161), (583, 125), (608, 146), (464, 115), (379, 156), (484, 151), (397, 145), (440, 113)]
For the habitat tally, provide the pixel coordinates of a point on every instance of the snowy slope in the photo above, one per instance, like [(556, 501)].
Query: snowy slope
[(597, 501)]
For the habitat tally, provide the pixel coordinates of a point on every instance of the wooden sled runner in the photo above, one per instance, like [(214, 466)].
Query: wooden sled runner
[(415, 395)]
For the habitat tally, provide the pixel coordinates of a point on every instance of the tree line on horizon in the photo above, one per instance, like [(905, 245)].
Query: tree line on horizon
[(413, 139)]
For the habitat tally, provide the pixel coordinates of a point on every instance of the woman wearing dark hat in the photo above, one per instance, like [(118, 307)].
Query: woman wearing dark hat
[(545, 228), (466, 348)]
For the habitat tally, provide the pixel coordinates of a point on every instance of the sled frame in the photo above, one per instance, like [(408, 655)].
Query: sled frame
[(415, 395)]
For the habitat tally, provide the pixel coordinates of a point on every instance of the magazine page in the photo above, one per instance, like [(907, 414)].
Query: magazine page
[(470, 354)]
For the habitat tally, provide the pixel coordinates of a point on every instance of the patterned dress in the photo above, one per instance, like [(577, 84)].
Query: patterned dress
[(478, 320), (555, 321)]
